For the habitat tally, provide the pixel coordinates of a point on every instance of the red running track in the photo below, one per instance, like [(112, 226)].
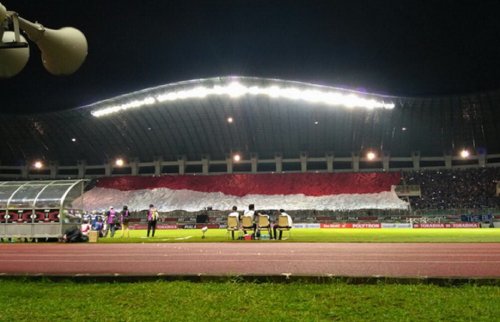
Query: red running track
[(260, 259)]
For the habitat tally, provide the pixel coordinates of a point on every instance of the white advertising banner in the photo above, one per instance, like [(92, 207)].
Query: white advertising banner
[(397, 225)]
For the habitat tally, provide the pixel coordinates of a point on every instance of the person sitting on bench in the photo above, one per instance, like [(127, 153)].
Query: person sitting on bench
[(250, 213), (279, 226)]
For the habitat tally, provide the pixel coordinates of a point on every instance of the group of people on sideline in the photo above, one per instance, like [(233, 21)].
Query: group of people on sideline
[(107, 224), (272, 225)]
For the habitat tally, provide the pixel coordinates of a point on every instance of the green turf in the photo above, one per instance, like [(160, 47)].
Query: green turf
[(456, 235), (233, 301)]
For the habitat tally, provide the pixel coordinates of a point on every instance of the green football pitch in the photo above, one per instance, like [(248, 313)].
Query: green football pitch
[(325, 235)]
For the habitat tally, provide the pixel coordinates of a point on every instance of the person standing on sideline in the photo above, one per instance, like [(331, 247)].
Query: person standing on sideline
[(111, 220), (152, 220), (98, 226), (124, 220)]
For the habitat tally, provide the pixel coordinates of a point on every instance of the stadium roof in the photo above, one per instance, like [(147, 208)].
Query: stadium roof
[(269, 116), (404, 48)]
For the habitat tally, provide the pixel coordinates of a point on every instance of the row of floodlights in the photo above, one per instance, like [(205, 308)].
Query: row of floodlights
[(236, 157), (236, 89)]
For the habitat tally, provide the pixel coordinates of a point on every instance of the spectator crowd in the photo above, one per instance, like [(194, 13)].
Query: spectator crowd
[(455, 189)]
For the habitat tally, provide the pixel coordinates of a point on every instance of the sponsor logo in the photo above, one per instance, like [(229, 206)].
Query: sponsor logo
[(351, 225), (451, 225)]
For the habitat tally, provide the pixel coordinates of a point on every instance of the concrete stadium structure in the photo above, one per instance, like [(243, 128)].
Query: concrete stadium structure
[(274, 125)]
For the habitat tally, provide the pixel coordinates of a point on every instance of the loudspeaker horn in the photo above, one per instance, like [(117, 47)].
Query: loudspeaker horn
[(63, 50), (3, 13), (12, 60)]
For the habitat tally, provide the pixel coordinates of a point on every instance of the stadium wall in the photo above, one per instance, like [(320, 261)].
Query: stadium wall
[(206, 166)]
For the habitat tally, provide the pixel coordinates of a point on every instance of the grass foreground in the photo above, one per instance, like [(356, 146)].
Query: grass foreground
[(455, 235), (235, 300), (26, 300)]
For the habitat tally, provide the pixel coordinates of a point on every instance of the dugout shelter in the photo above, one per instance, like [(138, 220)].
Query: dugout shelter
[(40, 209)]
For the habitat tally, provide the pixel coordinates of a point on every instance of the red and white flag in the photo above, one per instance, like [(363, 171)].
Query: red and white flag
[(294, 191)]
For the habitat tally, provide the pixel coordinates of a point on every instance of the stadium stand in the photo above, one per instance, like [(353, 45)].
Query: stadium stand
[(472, 189)]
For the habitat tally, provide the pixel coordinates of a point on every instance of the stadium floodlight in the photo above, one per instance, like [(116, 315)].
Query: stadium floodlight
[(371, 156), (464, 153), (236, 90), (119, 162), (38, 164), (63, 50), (237, 158)]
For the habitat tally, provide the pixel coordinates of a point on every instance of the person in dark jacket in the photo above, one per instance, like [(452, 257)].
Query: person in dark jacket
[(111, 220), (124, 220)]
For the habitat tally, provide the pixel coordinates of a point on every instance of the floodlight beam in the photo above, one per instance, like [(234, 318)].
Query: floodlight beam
[(236, 90)]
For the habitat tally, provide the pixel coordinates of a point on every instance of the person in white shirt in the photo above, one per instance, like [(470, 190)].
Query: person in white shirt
[(85, 228), (276, 225), (250, 213), (236, 215), (262, 215)]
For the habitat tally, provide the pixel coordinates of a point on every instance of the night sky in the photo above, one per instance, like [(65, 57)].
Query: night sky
[(411, 47)]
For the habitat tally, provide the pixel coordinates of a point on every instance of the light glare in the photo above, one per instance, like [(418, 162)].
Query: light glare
[(235, 90), (371, 155), (119, 162), (465, 153), (38, 164)]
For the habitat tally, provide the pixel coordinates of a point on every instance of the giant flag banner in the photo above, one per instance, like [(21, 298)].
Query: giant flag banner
[(291, 191)]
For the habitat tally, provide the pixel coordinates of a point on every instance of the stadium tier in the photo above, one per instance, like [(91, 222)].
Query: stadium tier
[(293, 191), (440, 190), (227, 141)]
